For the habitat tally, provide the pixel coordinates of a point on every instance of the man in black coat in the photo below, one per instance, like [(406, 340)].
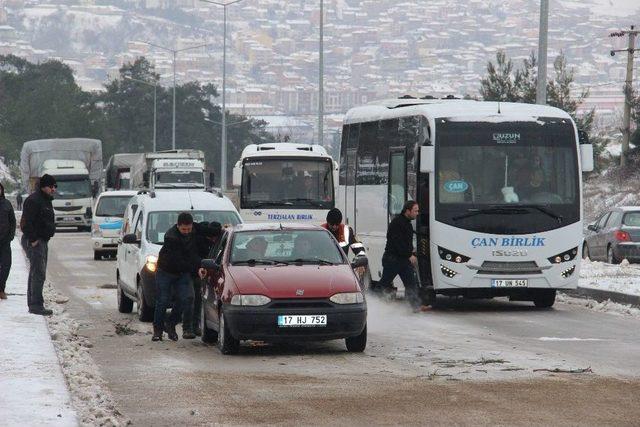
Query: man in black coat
[(399, 257), (7, 233), (178, 264), (38, 227)]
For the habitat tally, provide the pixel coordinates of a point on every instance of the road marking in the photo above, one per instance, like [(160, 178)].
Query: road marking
[(568, 339)]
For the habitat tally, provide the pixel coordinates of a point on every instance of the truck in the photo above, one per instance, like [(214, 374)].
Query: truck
[(285, 182), (117, 173), (172, 169), (76, 164)]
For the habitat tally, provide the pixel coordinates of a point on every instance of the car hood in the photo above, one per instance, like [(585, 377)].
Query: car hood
[(288, 281)]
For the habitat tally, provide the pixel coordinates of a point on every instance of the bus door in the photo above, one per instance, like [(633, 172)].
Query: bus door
[(350, 189), (397, 182), (423, 232)]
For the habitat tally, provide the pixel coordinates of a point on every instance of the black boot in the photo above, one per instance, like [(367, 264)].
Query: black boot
[(188, 335), (157, 333), (170, 329), (41, 311)]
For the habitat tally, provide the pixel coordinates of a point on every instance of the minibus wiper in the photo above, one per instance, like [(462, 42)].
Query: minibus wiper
[(266, 203), (310, 201), (489, 211), (544, 210)]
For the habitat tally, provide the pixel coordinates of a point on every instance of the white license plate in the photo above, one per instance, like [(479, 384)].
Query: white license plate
[(509, 283), (68, 219), (296, 321)]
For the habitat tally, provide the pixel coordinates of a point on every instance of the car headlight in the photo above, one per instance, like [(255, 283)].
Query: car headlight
[(347, 298), (564, 256), (152, 263), (95, 230), (250, 300), (448, 255)]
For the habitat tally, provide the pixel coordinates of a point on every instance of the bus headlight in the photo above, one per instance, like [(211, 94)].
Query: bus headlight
[(347, 298), (451, 256), (568, 272), (152, 263), (250, 300), (447, 272), (564, 256)]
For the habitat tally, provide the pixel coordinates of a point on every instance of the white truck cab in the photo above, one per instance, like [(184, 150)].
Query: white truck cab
[(285, 182), (73, 200), (177, 173)]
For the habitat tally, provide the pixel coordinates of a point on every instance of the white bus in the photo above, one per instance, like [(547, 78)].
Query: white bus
[(285, 182), (499, 187)]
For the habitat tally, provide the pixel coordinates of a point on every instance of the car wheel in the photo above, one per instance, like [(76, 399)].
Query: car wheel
[(97, 256), (358, 343), (544, 298), (125, 304), (208, 335), (145, 313), (611, 258), (585, 251), (226, 342)]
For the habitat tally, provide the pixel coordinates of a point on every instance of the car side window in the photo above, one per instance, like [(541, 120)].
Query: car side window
[(614, 219), (138, 228), (603, 220), (223, 244), (218, 247)]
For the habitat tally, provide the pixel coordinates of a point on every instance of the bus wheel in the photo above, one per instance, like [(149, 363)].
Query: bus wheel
[(428, 296), (544, 298)]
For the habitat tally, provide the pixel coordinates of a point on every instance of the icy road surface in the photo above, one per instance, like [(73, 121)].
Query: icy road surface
[(470, 362)]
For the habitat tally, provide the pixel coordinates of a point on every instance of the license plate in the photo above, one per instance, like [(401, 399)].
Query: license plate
[(509, 283), (68, 219), (296, 321)]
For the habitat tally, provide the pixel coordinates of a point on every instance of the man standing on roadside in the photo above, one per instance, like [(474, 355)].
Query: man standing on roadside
[(38, 227), (399, 257), (7, 233)]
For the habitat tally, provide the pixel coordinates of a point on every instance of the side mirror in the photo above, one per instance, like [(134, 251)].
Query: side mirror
[(360, 261), (586, 157), (237, 175), (130, 239), (209, 264), (592, 227), (427, 158)]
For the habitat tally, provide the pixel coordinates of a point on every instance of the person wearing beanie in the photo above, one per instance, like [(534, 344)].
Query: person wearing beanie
[(38, 227), (344, 234), (7, 233)]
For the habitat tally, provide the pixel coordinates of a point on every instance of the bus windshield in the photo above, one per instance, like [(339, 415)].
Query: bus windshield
[(507, 177), (287, 183)]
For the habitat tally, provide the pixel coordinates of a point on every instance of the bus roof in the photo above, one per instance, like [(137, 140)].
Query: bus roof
[(453, 109), (284, 149)]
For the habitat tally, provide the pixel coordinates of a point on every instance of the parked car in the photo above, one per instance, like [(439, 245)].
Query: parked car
[(282, 282), (148, 217), (614, 236), (106, 224)]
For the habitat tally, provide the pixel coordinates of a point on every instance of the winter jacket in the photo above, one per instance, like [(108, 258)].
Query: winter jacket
[(7, 221), (179, 253), (38, 220), (400, 238)]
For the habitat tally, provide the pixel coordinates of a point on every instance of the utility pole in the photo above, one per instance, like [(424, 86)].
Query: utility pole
[(321, 78), (628, 89), (541, 88)]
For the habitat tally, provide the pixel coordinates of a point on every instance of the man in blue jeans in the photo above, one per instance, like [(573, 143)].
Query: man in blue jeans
[(178, 263)]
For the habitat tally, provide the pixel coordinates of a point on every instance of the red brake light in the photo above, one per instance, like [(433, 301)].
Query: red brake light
[(622, 236)]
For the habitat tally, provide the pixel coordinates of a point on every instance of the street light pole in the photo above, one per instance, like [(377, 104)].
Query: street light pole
[(321, 78), (155, 107), (541, 89), (223, 142), (175, 53)]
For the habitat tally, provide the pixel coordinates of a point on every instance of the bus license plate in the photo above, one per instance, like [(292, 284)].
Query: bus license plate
[(509, 283), (295, 321)]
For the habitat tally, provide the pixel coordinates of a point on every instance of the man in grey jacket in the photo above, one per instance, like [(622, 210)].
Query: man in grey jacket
[(7, 233)]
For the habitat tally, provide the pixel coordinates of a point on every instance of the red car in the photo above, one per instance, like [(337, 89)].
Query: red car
[(275, 282)]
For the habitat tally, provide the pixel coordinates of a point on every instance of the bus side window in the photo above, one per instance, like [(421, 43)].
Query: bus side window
[(397, 190)]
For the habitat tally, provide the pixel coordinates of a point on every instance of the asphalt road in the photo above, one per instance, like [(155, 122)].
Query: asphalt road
[(468, 363)]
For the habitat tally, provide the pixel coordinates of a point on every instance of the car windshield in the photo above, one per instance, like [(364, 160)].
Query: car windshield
[(179, 178), (159, 223), (285, 246), (112, 206), (287, 183), (73, 188), (632, 219)]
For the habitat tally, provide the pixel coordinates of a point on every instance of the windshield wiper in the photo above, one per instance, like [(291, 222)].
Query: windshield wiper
[(492, 210), (253, 261), (307, 200), (270, 203), (313, 261), (545, 211)]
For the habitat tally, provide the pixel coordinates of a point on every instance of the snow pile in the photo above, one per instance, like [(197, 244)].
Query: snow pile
[(91, 398), (603, 307), (622, 278)]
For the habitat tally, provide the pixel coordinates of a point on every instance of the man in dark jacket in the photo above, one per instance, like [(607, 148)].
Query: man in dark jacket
[(178, 263), (38, 227), (399, 257), (7, 233)]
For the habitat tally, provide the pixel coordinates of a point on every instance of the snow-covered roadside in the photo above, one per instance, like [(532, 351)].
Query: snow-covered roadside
[(91, 397), (32, 386), (604, 306), (623, 278)]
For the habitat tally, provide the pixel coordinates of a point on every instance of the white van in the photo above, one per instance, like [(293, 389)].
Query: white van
[(147, 218), (106, 223)]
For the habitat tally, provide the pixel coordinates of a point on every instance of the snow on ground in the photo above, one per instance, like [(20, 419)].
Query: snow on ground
[(623, 278), (33, 389), (89, 392), (603, 307)]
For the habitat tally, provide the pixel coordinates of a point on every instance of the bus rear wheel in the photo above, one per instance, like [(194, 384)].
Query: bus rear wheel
[(544, 298)]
